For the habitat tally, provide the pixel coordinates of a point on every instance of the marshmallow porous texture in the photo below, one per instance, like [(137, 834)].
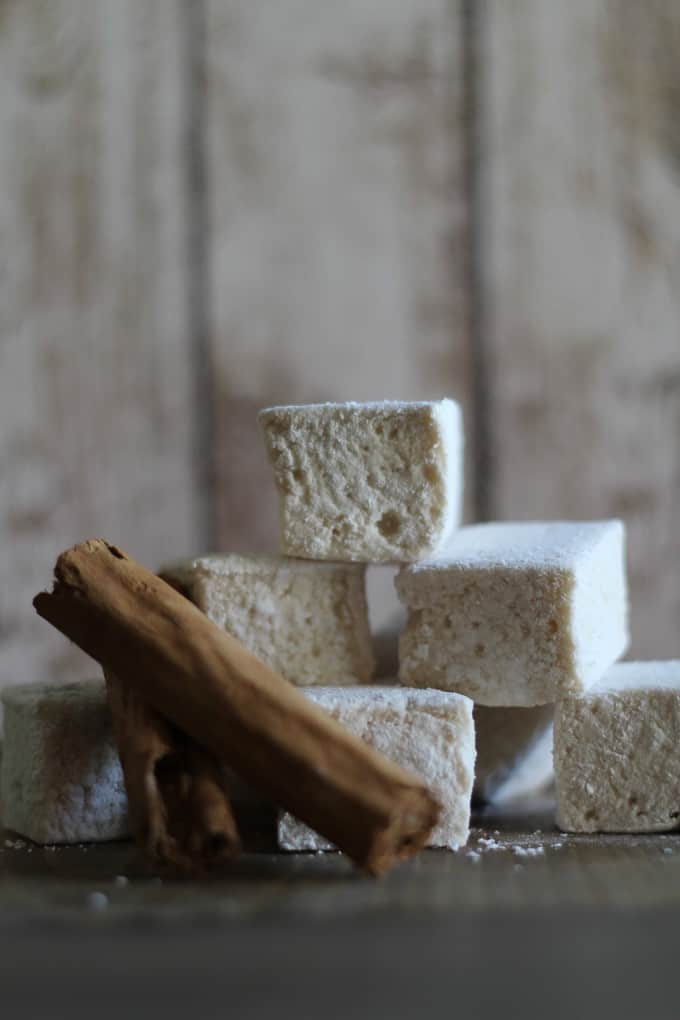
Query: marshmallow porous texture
[(514, 753), (429, 733), (308, 621), (61, 780), (617, 767), (373, 482), (516, 614)]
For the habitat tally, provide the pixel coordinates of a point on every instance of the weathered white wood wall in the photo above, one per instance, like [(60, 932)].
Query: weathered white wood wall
[(335, 153), (580, 224), (95, 340), (208, 206)]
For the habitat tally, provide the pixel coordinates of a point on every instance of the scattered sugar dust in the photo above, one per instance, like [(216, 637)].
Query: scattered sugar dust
[(97, 901)]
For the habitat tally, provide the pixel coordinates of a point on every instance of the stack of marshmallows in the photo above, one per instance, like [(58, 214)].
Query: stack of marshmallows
[(523, 622)]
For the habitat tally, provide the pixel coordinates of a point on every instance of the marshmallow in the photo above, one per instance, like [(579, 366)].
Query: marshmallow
[(61, 776), (617, 767), (516, 614), (308, 621), (373, 482), (430, 733)]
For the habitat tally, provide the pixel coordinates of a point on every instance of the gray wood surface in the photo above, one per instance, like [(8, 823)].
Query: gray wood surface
[(96, 415), (336, 237), (525, 864), (584, 964), (585, 927), (580, 217)]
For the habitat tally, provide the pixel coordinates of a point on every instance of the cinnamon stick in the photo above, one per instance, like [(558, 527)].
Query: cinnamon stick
[(179, 810), (236, 707)]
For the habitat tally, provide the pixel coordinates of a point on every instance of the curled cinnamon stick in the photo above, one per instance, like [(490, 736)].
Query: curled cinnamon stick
[(236, 707), (179, 809)]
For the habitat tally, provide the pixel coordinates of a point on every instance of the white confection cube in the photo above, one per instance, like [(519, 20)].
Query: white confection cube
[(517, 614), (61, 779), (308, 621), (514, 753), (375, 482), (61, 776), (617, 760), (386, 648), (430, 733), (387, 618)]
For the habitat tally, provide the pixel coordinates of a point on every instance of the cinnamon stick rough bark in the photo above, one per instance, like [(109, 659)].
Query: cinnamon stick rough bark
[(179, 810), (234, 706)]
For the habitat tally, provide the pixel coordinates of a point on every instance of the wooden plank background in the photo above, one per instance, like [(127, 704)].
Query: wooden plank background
[(206, 207), (580, 231), (336, 235), (96, 415)]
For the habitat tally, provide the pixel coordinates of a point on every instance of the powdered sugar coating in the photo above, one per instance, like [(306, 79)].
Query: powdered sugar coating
[(227, 564), (638, 676), (617, 767), (308, 620), (517, 614), (395, 406), (374, 482), (540, 544), (428, 732), (61, 776)]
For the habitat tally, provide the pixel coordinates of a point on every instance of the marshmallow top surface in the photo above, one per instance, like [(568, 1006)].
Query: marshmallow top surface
[(226, 564), (401, 699), (30, 695), (518, 546), (627, 677), (396, 406)]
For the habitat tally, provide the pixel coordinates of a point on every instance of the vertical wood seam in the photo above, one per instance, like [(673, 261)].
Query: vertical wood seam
[(198, 271), (473, 22)]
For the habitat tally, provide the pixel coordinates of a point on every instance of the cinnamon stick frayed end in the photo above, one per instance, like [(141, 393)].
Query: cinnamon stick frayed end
[(234, 708), (179, 810), (408, 833)]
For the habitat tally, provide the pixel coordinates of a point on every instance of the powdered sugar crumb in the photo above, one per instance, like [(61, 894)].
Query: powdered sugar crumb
[(97, 901), (527, 851), (488, 843)]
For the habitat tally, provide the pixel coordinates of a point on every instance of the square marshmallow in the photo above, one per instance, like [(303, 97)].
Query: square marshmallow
[(61, 779), (373, 482), (517, 614), (61, 776), (617, 766), (431, 733), (514, 752), (308, 621)]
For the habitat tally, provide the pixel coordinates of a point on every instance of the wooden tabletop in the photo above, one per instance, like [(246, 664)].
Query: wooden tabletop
[(524, 914)]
